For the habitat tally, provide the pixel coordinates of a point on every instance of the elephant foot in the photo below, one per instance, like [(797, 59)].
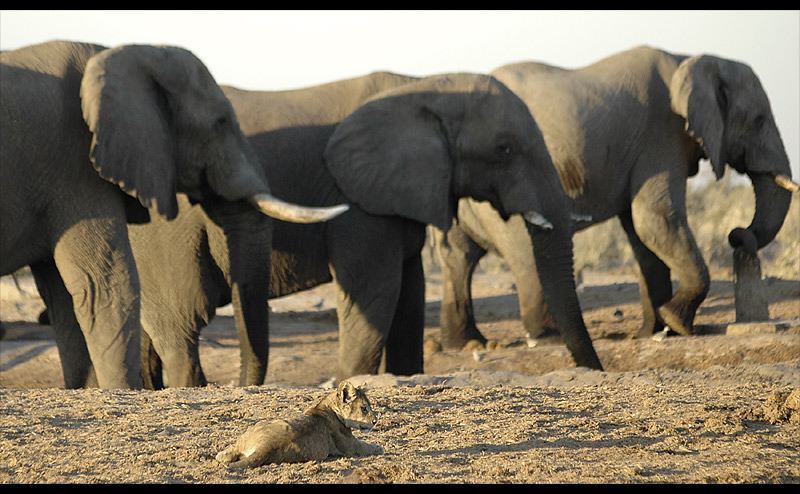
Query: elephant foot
[(473, 345), (649, 328), (676, 320), (548, 336), (477, 345), (457, 340)]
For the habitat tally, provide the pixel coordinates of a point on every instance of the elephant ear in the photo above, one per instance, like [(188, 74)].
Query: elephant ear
[(698, 95), (392, 157), (125, 107)]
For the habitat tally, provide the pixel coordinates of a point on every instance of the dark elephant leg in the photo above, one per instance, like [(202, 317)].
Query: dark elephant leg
[(76, 363), (365, 316), (665, 231), (366, 257), (655, 285), (404, 355), (460, 255), (96, 264)]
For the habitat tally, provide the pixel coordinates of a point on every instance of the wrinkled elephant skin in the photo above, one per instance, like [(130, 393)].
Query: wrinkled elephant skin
[(94, 138), (401, 151), (625, 135)]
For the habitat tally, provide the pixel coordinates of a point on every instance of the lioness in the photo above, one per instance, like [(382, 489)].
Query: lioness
[(322, 430)]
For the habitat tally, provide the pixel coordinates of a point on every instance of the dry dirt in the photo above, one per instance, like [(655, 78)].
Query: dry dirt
[(720, 407)]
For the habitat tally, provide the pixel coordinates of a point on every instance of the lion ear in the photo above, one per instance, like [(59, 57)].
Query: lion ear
[(347, 392)]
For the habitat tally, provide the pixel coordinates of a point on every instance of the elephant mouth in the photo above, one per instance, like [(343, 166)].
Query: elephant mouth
[(579, 219), (538, 220)]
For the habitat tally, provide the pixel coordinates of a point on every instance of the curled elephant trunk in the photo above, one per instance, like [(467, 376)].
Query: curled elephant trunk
[(276, 208), (773, 197)]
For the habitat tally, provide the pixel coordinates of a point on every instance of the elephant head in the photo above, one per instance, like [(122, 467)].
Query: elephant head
[(414, 151), (728, 114), (162, 125)]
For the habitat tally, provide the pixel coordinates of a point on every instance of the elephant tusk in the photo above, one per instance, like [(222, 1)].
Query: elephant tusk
[(535, 218), (282, 210), (580, 218), (786, 182)]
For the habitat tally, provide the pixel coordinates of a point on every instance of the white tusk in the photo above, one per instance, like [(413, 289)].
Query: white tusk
[(786, 183), (535, 218), (282, 210), (580, 218)]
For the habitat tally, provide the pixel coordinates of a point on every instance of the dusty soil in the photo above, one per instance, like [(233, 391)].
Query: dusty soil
[(720, 407)]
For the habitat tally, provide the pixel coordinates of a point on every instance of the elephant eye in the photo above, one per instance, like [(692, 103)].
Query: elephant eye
[(221, 123), (758, 122), (503, 152)]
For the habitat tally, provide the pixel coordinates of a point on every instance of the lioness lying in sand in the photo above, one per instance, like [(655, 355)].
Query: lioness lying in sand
[(322, 430)]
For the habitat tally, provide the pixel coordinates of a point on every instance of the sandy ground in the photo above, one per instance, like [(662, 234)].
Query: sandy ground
[(720, 407)]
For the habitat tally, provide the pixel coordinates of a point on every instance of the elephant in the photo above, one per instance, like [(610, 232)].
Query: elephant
[(94, 138), (400, 151), (625, 134)]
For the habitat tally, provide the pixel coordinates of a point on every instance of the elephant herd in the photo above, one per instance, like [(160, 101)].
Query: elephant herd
[(144, 196)]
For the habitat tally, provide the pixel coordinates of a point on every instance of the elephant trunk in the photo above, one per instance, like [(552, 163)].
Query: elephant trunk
[(276, 208), (773, 197), (553, 247), (248, 235)]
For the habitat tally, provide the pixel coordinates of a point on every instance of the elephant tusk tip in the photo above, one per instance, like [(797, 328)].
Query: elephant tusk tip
[(321, 214), (276, 208), (787, 183), (335, 211)]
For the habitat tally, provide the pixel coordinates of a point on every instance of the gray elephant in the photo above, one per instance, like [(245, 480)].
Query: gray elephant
[(401, 151), (94, 138), (625, 134)]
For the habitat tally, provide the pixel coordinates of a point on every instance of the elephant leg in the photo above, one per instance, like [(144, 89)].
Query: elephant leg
[(180, 355), (152, 369), (366, 260), (404, 355), (96, 264), (460, 255), (76, 364), (665, 231), (655, 285), (365, 317), (170, 327)]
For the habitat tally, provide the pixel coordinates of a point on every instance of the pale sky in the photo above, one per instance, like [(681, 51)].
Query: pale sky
[(272, 50)]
